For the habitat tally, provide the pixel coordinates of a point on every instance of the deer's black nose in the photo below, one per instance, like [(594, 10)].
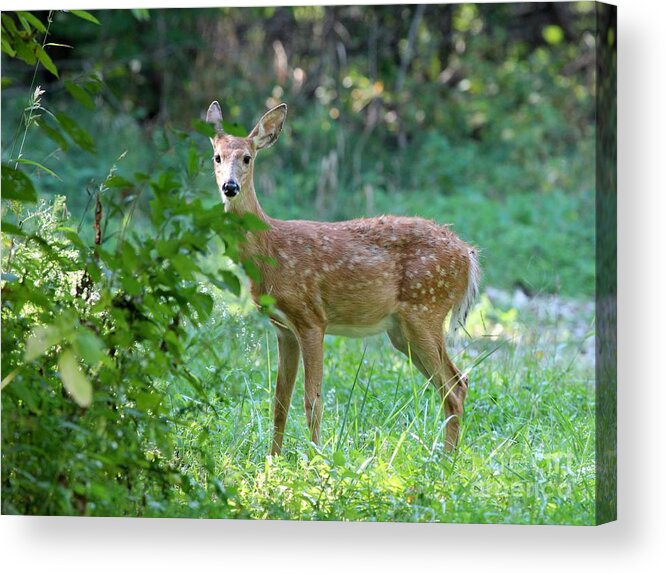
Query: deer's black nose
[(230, 188)]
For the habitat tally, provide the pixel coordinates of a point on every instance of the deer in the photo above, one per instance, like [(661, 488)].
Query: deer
[(394, 274)]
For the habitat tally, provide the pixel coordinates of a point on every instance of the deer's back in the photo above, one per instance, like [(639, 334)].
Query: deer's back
[(358, 273)]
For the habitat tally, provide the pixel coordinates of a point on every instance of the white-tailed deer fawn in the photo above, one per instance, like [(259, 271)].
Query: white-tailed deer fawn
[(398, 275)]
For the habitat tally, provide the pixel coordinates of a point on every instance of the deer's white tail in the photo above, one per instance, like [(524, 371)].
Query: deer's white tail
[(462, 307)]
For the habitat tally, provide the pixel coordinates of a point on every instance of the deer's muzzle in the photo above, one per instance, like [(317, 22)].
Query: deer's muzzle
[(230, 188)]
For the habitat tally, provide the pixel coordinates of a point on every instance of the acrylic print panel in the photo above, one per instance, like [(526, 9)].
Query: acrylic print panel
[(145, 272)]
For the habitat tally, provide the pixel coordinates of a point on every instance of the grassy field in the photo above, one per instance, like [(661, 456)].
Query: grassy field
[(526, 453)]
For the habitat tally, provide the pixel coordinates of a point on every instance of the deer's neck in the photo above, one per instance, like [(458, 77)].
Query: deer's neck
[(246, 203)]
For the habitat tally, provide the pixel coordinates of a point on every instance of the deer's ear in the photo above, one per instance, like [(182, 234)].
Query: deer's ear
[(214, 116), (267, 130)]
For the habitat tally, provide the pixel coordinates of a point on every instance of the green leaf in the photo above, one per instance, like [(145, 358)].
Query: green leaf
[(184, 265), (203, 303), (131, 285), (40, 166), (80, 136), (7, 48), (10, 228), (25, 51), (165, 248), (42, 339), (339, 458), (234, 129), (116, 181), (266, 300), (85, 16), (252, 270), (203, 128), (231, 282), (73, 237), (33, 21), (141, 14), (88, 347), (9, 24), (46, 61), (94, 83), (147, 401), (74, 380), (16, 185), (24, 23), (130, 258), (192, 162), (252, 223), (55, 135), (80, 94)]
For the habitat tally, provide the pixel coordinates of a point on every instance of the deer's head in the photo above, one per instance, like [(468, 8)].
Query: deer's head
[(233, 157)]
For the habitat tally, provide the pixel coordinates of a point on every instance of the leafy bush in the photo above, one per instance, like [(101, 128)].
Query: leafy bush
[(95, 324)]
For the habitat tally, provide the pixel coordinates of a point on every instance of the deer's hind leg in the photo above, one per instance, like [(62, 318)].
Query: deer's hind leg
[(420, 336), (403, 345)]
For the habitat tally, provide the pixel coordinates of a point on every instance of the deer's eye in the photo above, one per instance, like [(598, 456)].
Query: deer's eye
[(218, 159), (246, 159)]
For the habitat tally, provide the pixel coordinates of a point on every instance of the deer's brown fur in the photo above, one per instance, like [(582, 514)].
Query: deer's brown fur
[(398, 275)]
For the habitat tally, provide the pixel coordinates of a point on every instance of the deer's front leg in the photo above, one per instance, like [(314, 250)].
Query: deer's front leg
[(289, 352), (312, 347)]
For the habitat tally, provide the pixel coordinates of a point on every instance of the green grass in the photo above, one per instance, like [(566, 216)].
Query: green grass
[(526, 453)]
